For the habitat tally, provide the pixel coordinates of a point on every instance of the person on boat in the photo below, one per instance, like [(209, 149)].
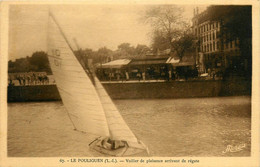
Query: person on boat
[(110, 144)]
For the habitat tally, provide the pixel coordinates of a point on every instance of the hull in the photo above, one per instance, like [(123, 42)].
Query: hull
[(130, 149)]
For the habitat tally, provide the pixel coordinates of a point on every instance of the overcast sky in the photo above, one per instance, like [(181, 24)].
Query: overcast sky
[(93, 26)]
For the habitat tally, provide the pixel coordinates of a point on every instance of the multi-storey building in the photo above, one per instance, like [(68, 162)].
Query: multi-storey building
[(215, 50)]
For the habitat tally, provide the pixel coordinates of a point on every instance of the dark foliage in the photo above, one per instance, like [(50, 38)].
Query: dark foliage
[(37, 62)]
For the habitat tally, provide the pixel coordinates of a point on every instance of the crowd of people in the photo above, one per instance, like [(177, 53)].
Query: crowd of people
[(29, 78), (162, 73)]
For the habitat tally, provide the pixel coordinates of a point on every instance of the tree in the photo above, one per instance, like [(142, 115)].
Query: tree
[(125, 50), (141, 50), (186, 43), (40, 60), (159, 41), (168, 25), (20, 65), (103, 55)]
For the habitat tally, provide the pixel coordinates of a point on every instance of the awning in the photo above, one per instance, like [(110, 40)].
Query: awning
[(176, 62), (116, 63), (172, 60), (183, 64), (148, 61)]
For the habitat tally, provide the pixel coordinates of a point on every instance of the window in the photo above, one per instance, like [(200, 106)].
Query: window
[(214, 46), (213, 35)]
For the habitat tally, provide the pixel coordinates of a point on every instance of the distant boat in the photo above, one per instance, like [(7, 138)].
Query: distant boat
[(88, 105)]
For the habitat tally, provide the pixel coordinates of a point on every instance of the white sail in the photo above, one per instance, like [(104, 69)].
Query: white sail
[(76, 90), (117, 126)]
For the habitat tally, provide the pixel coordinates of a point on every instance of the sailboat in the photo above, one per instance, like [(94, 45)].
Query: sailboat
[(87, 103)]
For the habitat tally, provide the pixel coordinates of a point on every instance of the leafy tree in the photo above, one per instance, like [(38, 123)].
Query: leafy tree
[(186, 43), (40, 60), (168, 25), (141, 50), (127, 48), (103, 55), (159, 41), (37, 62)]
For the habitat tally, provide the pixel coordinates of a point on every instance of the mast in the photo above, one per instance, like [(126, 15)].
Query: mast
[(62, 33)]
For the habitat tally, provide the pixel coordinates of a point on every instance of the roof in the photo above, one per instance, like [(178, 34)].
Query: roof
[(172, 60), (183, 64), (116, 63), (176, 62), (148, 61)]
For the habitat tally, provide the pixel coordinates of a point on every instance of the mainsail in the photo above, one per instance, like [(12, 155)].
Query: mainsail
[(76, 90), (90, 108)]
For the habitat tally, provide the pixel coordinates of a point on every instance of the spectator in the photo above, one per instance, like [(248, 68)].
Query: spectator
[(138, 75), (170, 75), (19, 78), (143, 75), (126, 75)]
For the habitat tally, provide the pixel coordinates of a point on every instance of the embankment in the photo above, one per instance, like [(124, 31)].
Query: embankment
[(142, 90)]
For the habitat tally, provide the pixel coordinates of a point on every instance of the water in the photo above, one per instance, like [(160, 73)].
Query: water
[(171, 127)]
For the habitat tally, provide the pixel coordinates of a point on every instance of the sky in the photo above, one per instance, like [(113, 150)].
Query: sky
[(93, 26)]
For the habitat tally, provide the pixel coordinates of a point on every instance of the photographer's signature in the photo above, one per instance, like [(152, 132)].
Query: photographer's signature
[(233, 149)]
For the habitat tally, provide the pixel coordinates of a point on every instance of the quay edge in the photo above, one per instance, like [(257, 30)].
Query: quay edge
[(141, 90)]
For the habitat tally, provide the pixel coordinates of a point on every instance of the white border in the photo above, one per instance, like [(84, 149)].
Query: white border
[(253, 160)]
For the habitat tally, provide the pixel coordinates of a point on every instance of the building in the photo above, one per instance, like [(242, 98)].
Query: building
[(217, 49), (161, 66)]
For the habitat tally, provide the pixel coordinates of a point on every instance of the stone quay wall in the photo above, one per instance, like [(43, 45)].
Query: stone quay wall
[(140, 90)]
